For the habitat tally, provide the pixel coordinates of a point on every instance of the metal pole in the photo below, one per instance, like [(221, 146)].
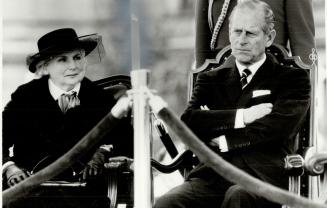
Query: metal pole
[(135, 34), (313, 185), (141, 120)]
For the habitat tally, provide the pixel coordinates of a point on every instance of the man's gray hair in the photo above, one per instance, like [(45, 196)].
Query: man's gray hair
[(253, 4)]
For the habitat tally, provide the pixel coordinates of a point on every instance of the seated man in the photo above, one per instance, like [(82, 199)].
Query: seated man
[(248, 111), (46, 117)]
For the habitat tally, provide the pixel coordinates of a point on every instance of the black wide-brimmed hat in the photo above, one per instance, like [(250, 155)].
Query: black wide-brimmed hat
[(58, 42)]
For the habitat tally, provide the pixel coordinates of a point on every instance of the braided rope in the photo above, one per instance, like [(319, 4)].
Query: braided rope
[(219, 23), (230, 172), (90, 139)]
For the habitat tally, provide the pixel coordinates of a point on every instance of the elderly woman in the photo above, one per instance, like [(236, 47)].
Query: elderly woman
[(47, 116)]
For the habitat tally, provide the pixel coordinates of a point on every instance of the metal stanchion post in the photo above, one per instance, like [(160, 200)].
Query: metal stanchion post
[(313, 182), (141, 120)]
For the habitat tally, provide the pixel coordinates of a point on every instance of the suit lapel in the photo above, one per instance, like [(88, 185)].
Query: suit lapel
[(45, 98), (230, 85)]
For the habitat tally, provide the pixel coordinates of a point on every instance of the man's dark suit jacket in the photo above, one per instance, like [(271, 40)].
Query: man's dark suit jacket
[(294, 22), (35, 125), (262, 145)]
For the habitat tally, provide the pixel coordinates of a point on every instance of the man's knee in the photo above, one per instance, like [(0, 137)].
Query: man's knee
[(168, 200), (179, 197), (237, 191), (236, 196), (162, 202)]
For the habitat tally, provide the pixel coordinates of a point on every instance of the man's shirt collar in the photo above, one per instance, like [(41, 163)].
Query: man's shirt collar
[(253, 68)]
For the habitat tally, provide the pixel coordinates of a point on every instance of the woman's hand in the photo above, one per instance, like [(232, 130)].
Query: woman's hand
[(122, 107)]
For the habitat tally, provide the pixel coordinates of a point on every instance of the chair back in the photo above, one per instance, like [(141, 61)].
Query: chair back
[(119, 177), (115, 85), (280, 54)]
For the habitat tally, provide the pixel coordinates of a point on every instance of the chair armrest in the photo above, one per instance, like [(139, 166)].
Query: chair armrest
[(315, 164), (119, 176), (165, 137), (294, 164), (180, 161), (63, 184)]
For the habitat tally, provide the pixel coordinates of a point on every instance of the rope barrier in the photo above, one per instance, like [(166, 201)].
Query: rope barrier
[(204, 154), (225, 169), (62, 163)]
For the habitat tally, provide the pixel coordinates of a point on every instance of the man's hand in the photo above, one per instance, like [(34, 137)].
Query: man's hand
[(255, 112), (14, 175), (122, 107)]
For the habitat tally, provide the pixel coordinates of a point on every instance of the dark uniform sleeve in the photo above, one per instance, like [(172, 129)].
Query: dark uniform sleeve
[(202, 33), (301, 28)]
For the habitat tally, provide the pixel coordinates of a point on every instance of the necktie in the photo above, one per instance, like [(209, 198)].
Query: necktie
[(67, 101), (245, 74)]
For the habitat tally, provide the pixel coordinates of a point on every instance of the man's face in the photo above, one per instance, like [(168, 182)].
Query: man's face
[(68, 69), (248, 41)]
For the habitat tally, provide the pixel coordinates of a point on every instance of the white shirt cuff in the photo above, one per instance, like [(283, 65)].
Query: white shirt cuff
[(239, 122), (6, 165), (114, 112), (221, 143), (107, 147)]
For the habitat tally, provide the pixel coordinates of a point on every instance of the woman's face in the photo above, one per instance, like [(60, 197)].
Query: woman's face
[(67, 69)]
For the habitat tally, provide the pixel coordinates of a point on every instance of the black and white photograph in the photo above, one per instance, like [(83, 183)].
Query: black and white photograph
[(163, 104)]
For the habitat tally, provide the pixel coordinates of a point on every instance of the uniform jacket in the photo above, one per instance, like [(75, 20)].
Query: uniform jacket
[(263, 144), (35, 125), (294, 21)]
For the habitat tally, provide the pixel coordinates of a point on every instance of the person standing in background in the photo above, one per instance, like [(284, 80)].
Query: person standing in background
[(294, 25)]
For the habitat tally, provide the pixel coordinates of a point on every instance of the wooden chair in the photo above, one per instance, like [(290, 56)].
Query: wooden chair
[(294, 164), (298, 166), (119, 178)]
